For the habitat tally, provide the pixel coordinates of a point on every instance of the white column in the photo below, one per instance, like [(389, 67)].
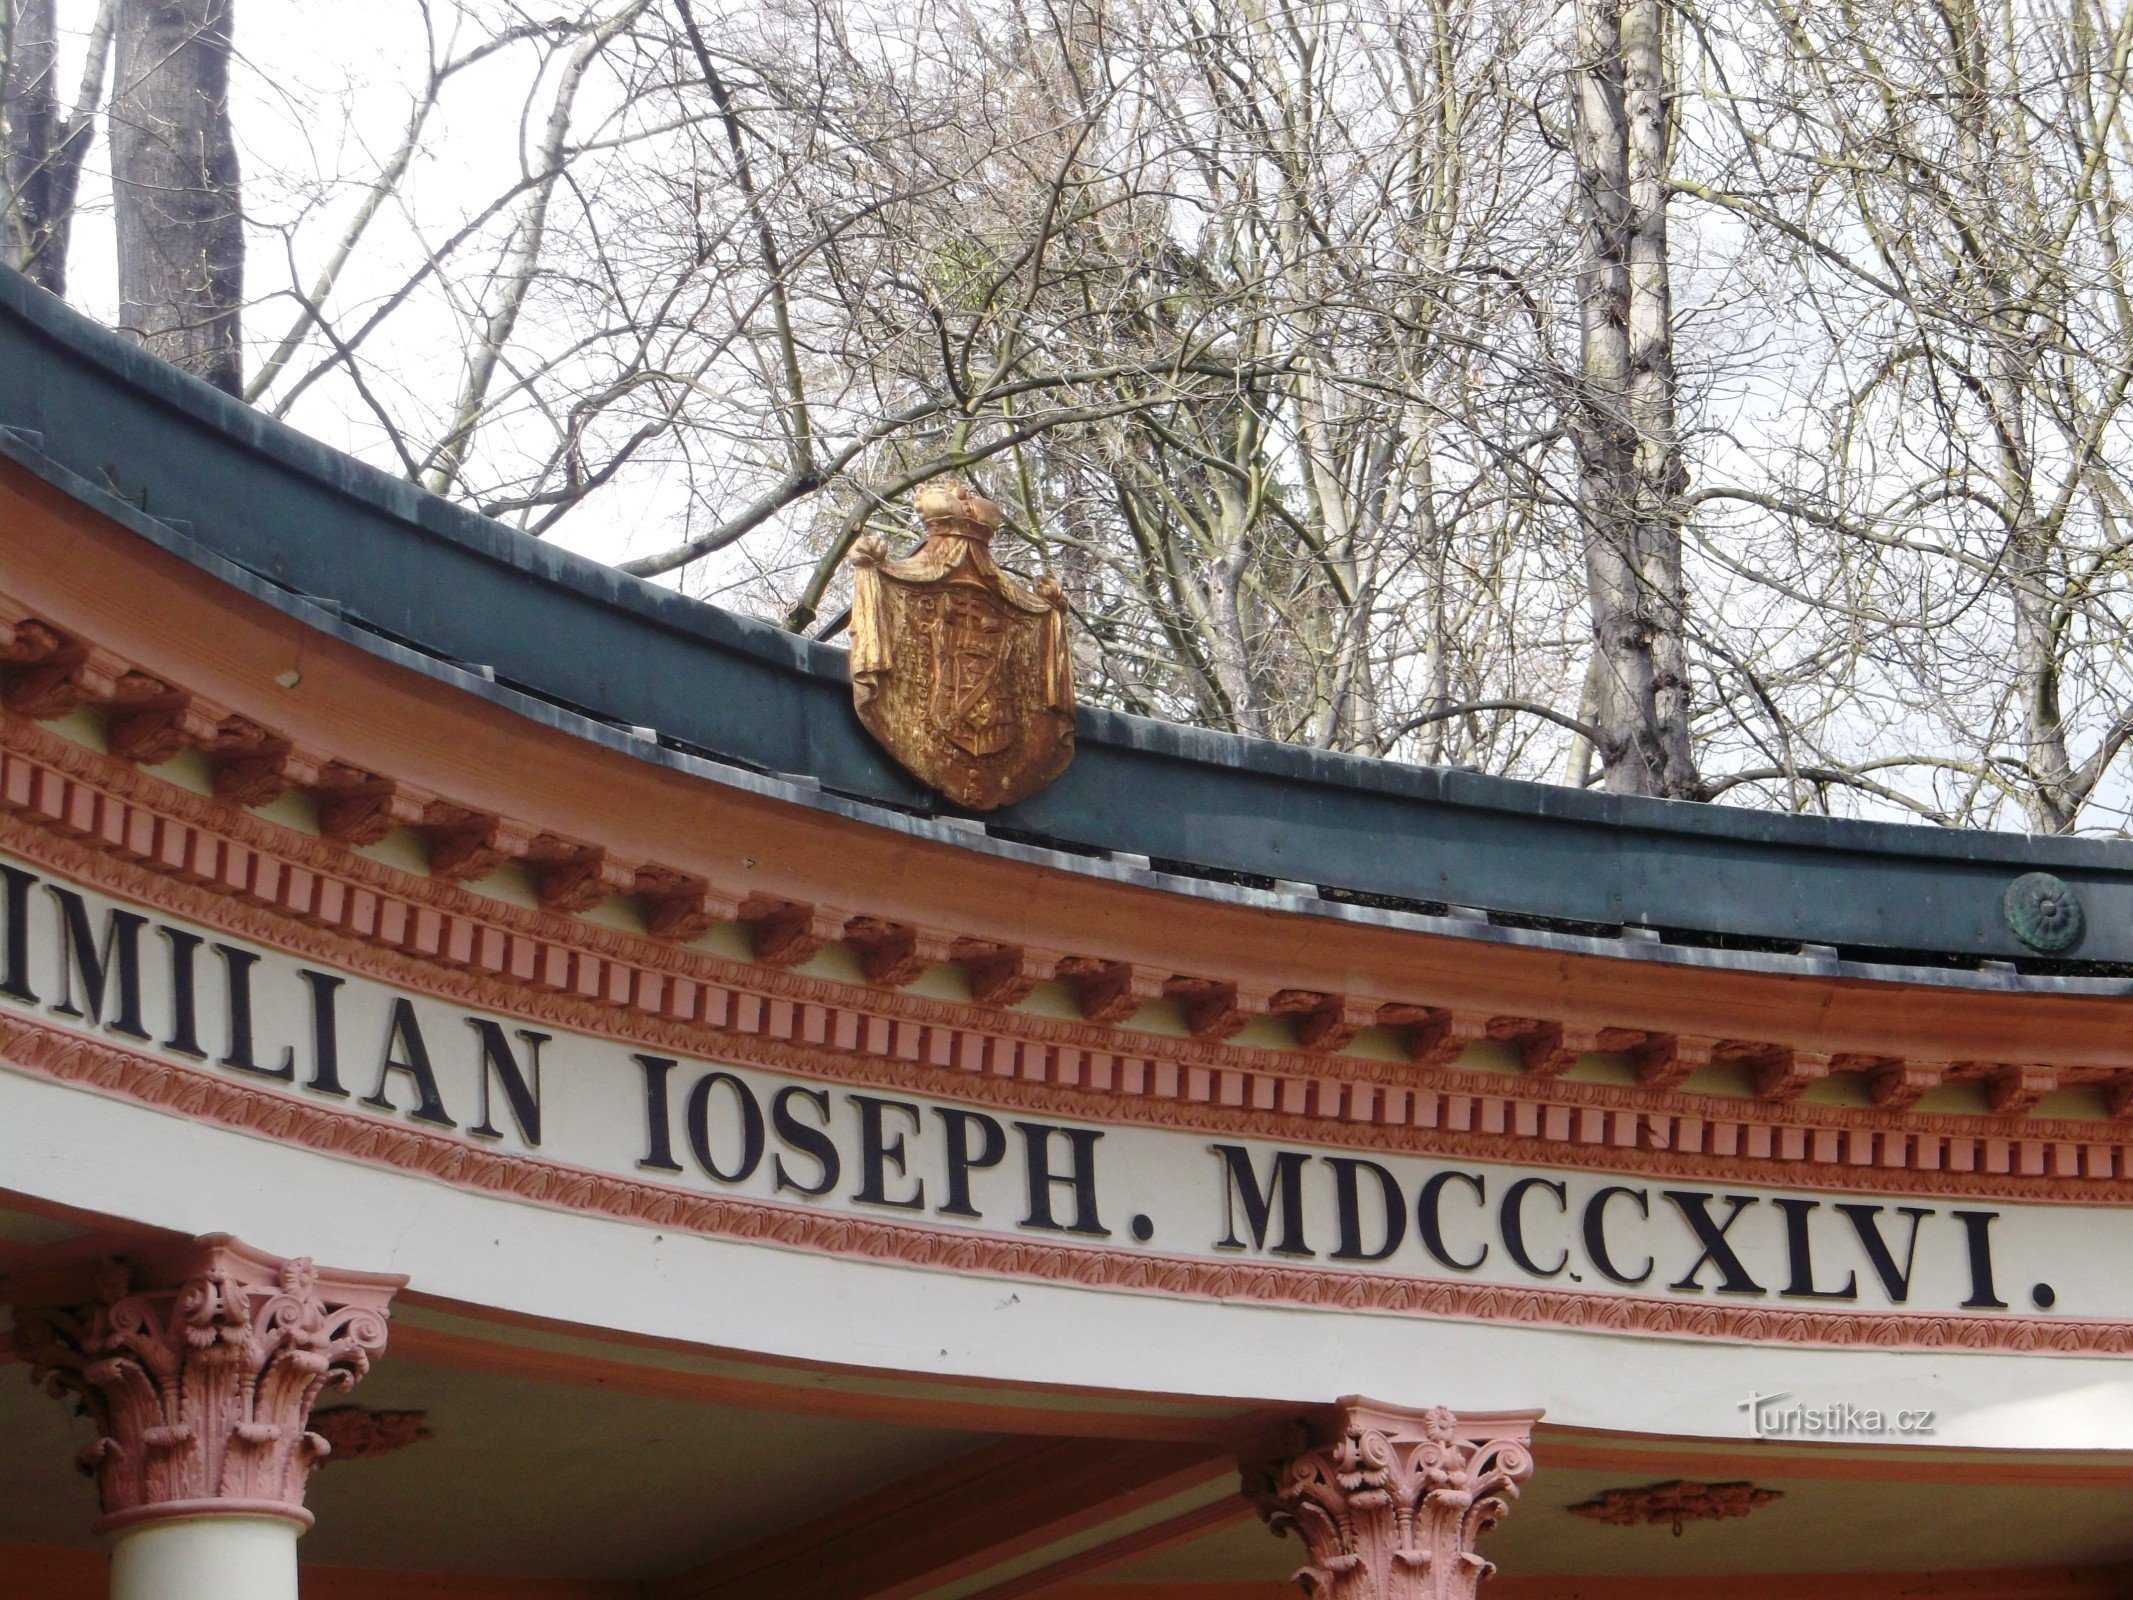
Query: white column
[(217, 1557)]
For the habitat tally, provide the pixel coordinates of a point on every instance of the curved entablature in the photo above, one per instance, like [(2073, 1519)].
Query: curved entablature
[(724, 1032), (173, 651), (377, 562)]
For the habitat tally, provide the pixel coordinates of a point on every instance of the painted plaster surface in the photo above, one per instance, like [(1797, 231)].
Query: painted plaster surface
[(413, 1112), (463, 1244), (720, 1146)]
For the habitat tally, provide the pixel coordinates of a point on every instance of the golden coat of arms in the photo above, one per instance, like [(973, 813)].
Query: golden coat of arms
[(961, 672)]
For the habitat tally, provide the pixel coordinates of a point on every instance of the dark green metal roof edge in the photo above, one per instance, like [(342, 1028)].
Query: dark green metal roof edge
[(328, 536)]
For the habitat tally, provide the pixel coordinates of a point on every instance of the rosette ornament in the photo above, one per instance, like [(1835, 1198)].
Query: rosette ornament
[(2044, 912), (1391, 1507), (199, 1365)]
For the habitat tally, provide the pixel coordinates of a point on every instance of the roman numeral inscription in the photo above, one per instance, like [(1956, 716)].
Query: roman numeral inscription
[(75, 959)]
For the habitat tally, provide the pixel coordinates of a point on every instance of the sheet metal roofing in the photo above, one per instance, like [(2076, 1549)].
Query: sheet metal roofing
[(441, 590)]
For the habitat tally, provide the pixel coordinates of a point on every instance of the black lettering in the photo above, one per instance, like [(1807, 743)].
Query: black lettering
[(15, 983), (95, 963), (184, 1009), (405, 1051), (1696, 1211), (1429, 1217), (1979, 1242), (1348, 1208), (658, 1120), (325, 1032), (1798, 1251), (1081, 1178), (699, 1122), (878, 1152), (962, 1160), (237, 968), (1240, 1185), (813, 1143), (1511, 1223), (1596, 1250), (524, 1093), (1866, 1222)]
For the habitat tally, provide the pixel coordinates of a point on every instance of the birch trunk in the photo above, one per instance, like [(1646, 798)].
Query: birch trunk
[(1992, 187), (1631, 481)]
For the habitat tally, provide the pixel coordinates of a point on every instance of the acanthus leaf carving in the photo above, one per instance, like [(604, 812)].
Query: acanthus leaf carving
[(1665, 1060), (894, 954), (1109, 992), (1899, 1085), (2015, 1089), (148, 722), (199, 1364), (61, 676), (25, 639), (1391, 1506), (255, 766), (575, 878), (1324, 1022), (680, 907), (1444, 1036), (1215, 1009), (468, 845), (1003, 974), (786, 933), (1788, 1074), (358, 808)]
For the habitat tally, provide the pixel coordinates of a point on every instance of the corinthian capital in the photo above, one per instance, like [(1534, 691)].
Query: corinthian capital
[(199, 1363), (1390, 1507)]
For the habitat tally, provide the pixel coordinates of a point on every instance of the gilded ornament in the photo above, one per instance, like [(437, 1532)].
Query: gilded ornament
[(961, 672)]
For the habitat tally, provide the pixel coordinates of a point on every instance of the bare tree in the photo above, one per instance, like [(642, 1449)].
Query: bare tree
[(45, 145), (1941, 185), (1631, 478), (1745, 421), (175, 182)]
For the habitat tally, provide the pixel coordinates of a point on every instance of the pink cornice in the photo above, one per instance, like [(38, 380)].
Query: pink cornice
[(198, 1094), (141, 838)]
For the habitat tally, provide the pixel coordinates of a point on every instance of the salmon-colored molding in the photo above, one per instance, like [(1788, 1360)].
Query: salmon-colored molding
[(196, 1093), (45, 672), (146, 840)]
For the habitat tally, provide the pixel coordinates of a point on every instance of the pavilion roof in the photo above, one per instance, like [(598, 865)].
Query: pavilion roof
[(377, 561)]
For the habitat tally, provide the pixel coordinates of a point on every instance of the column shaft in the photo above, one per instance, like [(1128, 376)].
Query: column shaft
[(206, 1558)]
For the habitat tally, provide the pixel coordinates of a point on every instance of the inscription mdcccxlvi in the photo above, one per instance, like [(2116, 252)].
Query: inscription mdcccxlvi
[(893, 1154)]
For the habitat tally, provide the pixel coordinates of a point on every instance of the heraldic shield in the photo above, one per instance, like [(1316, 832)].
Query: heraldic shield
[(961, 672)]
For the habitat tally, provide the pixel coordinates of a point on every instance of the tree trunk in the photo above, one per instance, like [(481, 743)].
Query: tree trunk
[(44, 146), (29, 103), (1228, 648), (174, 172), (1631, 480), (2049, 797)]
